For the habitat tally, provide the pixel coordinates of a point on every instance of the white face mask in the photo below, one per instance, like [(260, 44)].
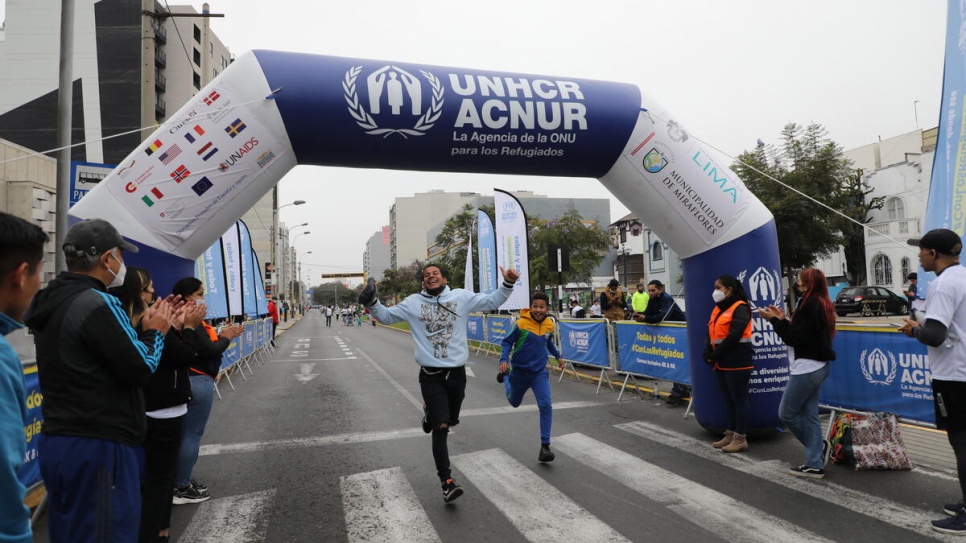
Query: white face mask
[(718, 296), (119, 276)]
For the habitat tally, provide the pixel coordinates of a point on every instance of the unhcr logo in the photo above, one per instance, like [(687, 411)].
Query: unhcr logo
[(878, 367), (763, 287), (579, 339)]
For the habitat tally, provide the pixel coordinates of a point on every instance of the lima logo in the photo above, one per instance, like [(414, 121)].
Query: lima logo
[(878, 368), (654, 161), (763, 287), (394, 103)]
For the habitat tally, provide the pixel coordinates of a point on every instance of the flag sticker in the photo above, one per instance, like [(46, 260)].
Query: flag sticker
[(180, 174), (201, 186), (235, 128), (153, 147), (207, 151), (210, 99), (147, 199), (169, 155), (198, 131)]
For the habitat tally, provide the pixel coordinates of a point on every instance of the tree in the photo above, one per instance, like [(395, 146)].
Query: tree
[(399, 283), (856, 204), (808, 161), (451, 241), (332, 293)]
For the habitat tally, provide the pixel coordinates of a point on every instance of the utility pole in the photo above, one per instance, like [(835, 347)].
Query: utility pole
[(65, 103)]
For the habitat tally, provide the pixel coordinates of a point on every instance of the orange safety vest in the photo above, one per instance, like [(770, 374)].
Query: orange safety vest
[(720, 325)]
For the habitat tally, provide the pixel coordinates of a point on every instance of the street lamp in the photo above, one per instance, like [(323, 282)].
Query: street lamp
[(273, 239)]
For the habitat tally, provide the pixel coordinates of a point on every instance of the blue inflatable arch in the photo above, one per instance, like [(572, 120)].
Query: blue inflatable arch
[(269, 111)]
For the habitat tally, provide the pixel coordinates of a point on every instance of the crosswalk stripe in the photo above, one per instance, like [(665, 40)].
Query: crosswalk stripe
[(528, 407), (319, 441), (234, 519), (538, 510), (716, 512), (380, 506), (887, 511)]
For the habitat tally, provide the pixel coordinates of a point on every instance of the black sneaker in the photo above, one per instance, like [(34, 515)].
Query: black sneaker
[(188, 495), (952, 509), (199, 487), (451, 491), (546, 455), (500, 377), (426, 427), (805, 471), (955, 525)]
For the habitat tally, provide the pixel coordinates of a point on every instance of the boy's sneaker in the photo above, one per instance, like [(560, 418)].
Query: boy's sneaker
[(500, 377), (451, 491), (952, 509), (805, 471), (188, 495), (426, 427), (955, 525), (546, 455), (199, 487)]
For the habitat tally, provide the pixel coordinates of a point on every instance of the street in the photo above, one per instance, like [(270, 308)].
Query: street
[(324, 444)]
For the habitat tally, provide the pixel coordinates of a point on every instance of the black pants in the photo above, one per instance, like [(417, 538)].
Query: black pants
[(443, 391), (161, 445)]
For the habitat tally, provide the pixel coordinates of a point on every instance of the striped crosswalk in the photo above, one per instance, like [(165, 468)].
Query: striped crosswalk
[(383, 505)]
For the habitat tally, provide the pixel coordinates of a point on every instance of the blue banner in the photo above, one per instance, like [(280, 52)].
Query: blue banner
[(29, 473), (248, 339), (654, 350), (248, 271), (584, 342), (486, 252), (210, 269), (261, 301), (946, 205), (232, 264), (880, 370), (474, 328), (232, 354), (497, 328)]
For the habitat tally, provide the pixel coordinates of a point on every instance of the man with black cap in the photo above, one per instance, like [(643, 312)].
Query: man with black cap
[(92, 364), (941, 331)]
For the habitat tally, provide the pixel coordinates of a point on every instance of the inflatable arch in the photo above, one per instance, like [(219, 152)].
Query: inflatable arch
[(269, 111)]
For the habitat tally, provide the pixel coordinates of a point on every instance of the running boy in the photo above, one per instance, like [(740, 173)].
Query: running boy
[(523, 364)]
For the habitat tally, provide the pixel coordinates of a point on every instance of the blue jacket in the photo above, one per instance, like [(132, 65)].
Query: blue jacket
[(529, 344), (438, 323), (15, 519), (663, 308)]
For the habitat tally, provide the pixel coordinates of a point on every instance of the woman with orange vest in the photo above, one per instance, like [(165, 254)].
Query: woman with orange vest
[(809, 336), (728, 349)]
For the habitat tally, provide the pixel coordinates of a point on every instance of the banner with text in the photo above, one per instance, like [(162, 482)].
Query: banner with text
[(231, 253), (232, 354), (474, 328), (29, 473), (248, 270), (511, 246), (261, 300), (497, 328), (584, 342), (486, 252), (210, 270), (654, 350)]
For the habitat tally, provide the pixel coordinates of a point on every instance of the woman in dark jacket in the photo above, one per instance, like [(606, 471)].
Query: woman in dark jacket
[(728, 349), (809, 337), (203, 371)]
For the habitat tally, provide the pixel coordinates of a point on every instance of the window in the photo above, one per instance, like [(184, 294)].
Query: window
[(657, 252), (895, 208), (882, 270), (197, 57), (197, 34), (905, 268), (197, 81)]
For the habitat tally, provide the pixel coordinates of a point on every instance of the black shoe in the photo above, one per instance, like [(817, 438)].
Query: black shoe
[(188, 495), (546, 455), (199, 487), (671, 401), (500, 377), (426, 427), (805, 471), (953, 509), (955, 525), (451, 491)]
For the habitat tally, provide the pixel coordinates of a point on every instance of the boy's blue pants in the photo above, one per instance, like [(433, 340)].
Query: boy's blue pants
[(517, 383)]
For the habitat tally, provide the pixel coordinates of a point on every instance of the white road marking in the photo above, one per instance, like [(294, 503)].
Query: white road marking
[(318, 441), (234, 519), (887, 511), (538, 510), (418, 404), (525, 408), (381, 507), (728, 518), (469, 372)]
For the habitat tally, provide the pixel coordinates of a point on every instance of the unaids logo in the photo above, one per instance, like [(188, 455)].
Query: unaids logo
[(395, 101), (878, 367), (763, 287)]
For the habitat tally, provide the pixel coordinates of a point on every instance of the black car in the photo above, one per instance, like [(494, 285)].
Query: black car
[(870, 301)]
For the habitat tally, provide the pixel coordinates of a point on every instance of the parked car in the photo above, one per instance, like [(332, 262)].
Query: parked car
[(870, 301)]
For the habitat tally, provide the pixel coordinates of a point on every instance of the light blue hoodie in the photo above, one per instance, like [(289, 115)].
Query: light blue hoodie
[(438, 323), (14, 515)]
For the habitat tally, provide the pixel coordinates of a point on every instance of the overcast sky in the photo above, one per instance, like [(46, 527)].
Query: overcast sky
[(730, 72)]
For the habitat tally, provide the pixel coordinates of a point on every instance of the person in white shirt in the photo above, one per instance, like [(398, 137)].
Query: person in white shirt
[(576, 311), (595, 309)]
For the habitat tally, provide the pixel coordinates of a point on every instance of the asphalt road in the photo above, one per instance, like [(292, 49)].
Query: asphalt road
[(323, 443)]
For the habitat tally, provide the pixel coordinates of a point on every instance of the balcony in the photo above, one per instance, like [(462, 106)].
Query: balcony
[(160, 108), (160, 82), (160, 59), (897, 229), (160, 34)]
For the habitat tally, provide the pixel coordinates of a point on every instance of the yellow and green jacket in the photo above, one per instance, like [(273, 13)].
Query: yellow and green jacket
[(529, 344)]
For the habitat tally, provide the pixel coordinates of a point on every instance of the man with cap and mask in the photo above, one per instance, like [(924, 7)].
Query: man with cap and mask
[(612, 301), (942, 331), (92, 365)]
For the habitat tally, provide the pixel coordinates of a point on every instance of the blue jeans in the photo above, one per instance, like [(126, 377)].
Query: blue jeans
[(799, 411), (734, 387), (202, 396), (516, 385)]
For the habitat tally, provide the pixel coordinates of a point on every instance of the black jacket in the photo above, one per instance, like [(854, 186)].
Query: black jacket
[(92, 363), (170, 385), (808, 332), (663, 309), (208, 353)]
